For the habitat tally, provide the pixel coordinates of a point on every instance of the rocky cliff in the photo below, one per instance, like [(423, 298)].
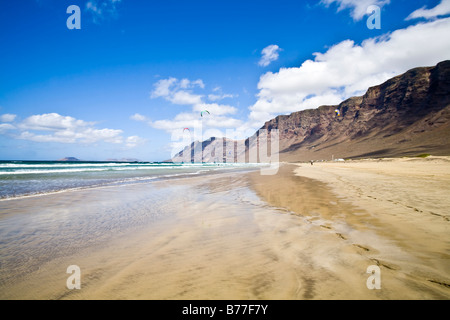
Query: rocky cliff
[(405, 116)]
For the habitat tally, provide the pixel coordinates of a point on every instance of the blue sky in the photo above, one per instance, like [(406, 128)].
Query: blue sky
[(137, 73)]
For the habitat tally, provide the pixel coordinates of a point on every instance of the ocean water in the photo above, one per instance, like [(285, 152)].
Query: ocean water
[(30, 178)]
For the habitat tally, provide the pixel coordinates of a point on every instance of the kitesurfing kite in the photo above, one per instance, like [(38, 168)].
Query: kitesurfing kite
[(338, 113), (186, 129), (201, 113)]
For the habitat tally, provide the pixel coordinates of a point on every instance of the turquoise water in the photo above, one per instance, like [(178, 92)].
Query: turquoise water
[(28, 178)]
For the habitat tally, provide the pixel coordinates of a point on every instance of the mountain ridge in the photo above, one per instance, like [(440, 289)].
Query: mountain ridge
[(406, 115)]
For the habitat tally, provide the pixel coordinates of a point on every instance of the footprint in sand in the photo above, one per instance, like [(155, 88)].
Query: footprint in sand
[(440, 283), (341, 236), (337, 233), (362, 247), (385, 264)]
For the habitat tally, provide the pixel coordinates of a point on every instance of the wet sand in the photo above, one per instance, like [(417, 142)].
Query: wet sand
[(225, 236), (196, 238)]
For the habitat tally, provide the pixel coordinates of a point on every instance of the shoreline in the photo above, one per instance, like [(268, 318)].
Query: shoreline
[(66, 185)]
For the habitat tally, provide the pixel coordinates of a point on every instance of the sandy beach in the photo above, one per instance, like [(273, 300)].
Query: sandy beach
[(308, 232), (391, 212)]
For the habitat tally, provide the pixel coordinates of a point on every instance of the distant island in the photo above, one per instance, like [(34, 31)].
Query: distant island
[(69, 159)]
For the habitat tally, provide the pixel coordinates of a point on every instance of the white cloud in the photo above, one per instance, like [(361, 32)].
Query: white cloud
[(269, 54), (184, 97), (7, 117), (65, 129), (215, 109), (348, 69), (358, 7), (186, 83), (180, 92), (26, 135), (53, 127), (222, 122), (181, 121), (139, 117), (199, 83), (134, 141), (218, 97), (93, 7), (162, 88), (108, 135), (5, 127), (52, 122), (66, 136), (177, 91), (441, 9), (217, 118), (100, 9)]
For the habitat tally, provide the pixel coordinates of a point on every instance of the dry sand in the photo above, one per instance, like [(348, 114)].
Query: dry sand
[(309, 235), (393, 213)]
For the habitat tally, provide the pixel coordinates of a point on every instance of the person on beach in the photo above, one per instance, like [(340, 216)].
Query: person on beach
[(312, 162)]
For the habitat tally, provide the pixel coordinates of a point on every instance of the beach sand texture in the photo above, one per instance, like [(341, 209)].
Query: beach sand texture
[(309, 232), (392, 212)]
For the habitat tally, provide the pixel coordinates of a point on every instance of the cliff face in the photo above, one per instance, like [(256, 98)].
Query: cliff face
[(406, 115)]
